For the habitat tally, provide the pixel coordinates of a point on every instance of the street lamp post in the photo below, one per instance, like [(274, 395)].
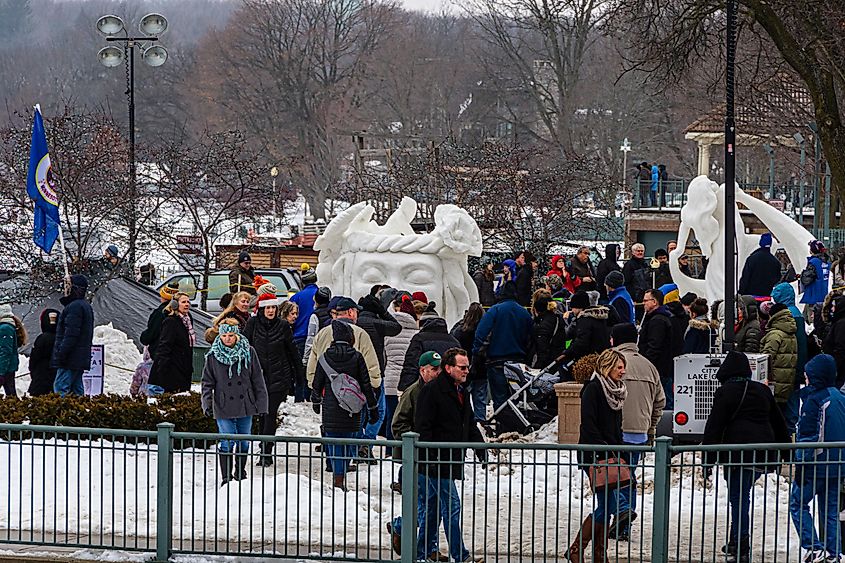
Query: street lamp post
[(771, 152), (625, 148), (113, 28), (273, 173), (799, 138), (730, 180)]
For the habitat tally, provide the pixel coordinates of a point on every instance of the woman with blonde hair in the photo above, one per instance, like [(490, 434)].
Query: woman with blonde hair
[(173, 364), (601, 424), (238, 309), (233, 391)]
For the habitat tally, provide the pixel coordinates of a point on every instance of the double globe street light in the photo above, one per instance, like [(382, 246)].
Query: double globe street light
[(154, 55)]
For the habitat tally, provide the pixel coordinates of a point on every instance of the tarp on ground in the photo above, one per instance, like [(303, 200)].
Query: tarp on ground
[(124, 303)]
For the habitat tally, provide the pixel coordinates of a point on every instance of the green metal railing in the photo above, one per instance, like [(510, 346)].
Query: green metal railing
[(518, 501)]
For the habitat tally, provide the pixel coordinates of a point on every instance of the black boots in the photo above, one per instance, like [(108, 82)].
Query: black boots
[(225, 460), (240, 467), (266, 458)]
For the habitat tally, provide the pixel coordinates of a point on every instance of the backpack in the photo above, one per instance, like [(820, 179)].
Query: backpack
[(808, 276), (346, 389)]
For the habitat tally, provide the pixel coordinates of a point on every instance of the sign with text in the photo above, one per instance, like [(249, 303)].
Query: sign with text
[(92, 380)]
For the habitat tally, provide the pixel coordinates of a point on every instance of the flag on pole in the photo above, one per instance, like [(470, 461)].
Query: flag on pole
[(41, 187)]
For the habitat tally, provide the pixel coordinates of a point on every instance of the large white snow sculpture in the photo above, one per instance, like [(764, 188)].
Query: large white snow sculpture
[(704, 213), (356, 253)]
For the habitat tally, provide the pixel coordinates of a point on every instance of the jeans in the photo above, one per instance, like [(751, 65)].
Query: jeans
[(370, 428), (390, 404), (268, 421), (669, 390), (9, 384), (626, 497), (478, 392), (68, 381), (240, 425), (498, 384), (826, 492), (301, 392), (438, 498), (340, 455), (790, 411), (740, 481)]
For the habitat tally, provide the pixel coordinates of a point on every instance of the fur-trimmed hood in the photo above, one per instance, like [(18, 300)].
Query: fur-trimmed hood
[(700, 324), (600, 312)]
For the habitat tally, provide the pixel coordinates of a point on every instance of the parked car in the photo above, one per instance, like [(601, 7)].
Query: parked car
[(285, 280)]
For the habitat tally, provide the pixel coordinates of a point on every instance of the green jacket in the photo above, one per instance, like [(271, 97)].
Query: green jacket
[(781, 344), (8, 348), (403, 418)]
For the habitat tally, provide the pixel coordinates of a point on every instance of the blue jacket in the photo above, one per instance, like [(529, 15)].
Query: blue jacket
[(655, 177), (783, 293), (74, 334), (511, 332), (822, 420), (621, 300), (817, 291), (304, 298)]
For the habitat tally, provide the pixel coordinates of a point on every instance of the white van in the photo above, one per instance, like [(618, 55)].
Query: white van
[(286, 282)]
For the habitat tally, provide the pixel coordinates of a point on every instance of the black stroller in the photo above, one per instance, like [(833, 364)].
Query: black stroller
[(532, 402)]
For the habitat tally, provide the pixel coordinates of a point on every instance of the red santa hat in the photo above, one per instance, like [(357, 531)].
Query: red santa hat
[(266, 300)]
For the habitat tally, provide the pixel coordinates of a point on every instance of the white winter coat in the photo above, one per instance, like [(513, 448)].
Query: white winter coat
[(395, 348)]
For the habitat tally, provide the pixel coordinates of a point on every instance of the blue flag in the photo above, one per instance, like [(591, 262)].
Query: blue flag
[(41, 187)]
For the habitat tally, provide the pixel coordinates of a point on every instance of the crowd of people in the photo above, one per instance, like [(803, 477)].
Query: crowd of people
[(388, 363)]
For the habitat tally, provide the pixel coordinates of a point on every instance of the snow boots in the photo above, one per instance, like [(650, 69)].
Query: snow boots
[(590, 531), (340, 483), (225, 460), (240, 467), (232, 467), (266, 458)]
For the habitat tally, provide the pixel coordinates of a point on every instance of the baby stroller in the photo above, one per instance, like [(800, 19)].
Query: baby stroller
[(532, 402)]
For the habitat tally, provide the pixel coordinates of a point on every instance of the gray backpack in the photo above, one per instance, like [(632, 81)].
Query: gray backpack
[(346, 389)]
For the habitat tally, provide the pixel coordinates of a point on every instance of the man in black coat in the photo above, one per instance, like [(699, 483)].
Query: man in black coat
[(43, 376), (580, 267), (761, 271), (74, 335), (444, 414), (149, 337), (433, 337), (525, 277), (610, 263), (655, 341), (636, 273)]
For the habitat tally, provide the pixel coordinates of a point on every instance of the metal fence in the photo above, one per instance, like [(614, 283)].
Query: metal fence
[(518, 501)]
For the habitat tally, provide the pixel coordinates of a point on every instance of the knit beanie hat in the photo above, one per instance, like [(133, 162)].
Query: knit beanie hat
[(307, 273), (688, 298), (580, 301), (243, 256), (420, 296), (323, 296), (623, 333), (670, 292), (263, 286), (80, 281), (168, 291), (342, 332), (112, 251), (407, 306), (817, 247), (614, 280), (766, 240)]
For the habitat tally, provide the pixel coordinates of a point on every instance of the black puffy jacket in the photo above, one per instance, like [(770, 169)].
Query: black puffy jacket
[(343, 358), (592, 335), (680, 322), (834, 343), (377, 324), (655, 332), (607, 264), (273, 343), (43, 376), (433, 336), (74, 333), (149, 337), (174, 365), (549, 338)]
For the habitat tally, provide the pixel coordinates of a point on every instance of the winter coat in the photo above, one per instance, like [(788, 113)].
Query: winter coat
[(324, 316), (637, 278), (74, 333), (554, 269), (698, 337), (149, 337), (363, 344), (581, 270), (760, 274), (272, 340), (782, 347), (43, 376), (748, 333), (442, 416), (834, 343), (342, 358), (822, 419), (644, 404), (752, 419), (174, 363), (600, 424), (607, 264), (661, 275), (524, 285), (655, 332), (621, 302), (10, 340), (395, 348), (815, 292), (592, 335), (242, 394), (680, 323), (486, 294), (838, 277), (304, 299), (509, 328), (377, 325), (549, 338), (403, 417), (432, 337), (784, 293), (242, 280)]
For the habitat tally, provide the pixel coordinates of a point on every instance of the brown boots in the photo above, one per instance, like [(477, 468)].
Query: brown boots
[(590, 531), (340, 483)]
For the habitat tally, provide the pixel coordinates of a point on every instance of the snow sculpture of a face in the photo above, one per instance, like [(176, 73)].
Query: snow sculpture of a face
[(357, 253)]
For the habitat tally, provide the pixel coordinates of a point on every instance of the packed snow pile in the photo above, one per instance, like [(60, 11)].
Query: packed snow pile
[(122, 356)]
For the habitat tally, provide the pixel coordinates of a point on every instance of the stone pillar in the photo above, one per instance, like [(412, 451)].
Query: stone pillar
[(703, 158), (568, 412)]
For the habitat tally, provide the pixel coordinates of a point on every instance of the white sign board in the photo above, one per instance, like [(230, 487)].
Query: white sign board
[(92, 380)]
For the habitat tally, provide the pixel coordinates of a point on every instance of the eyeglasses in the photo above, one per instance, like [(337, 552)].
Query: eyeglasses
[(462, 368), (649, 299)]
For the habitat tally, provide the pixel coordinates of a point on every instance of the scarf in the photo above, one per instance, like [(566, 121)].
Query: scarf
[(614, 391), (186, 320), (236, 355)]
